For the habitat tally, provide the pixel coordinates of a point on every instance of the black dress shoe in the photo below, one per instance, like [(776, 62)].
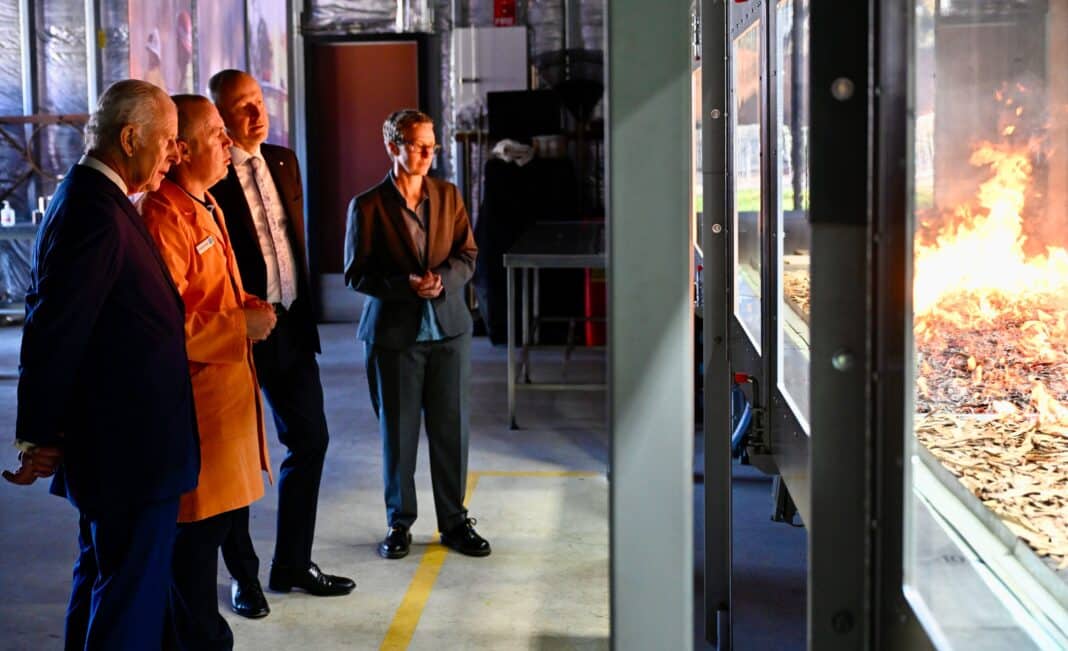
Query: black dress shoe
[(247, 599), (398, 540), (464, 539), (310, 580)]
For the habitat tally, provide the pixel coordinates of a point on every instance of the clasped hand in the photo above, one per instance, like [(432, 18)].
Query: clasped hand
[(427, 285), (259, 321), (34, 463)]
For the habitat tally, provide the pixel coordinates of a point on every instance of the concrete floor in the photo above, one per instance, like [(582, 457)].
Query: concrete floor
[(540, 496)]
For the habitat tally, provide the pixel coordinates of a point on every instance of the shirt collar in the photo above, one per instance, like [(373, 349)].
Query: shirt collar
[(400, 195), (239, 156), (98, 165)]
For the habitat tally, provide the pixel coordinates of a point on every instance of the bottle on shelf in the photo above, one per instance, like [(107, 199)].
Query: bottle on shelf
[(7, 215), (38, 213)]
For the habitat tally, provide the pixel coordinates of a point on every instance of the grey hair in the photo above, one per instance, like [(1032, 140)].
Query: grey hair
[(126, 102), (399, 121)]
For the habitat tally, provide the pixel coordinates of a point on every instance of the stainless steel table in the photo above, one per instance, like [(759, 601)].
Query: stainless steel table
[(546, 245)]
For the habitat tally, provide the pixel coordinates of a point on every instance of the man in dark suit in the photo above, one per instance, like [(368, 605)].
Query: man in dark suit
[(262, 200), (104, 378), (409, 248)]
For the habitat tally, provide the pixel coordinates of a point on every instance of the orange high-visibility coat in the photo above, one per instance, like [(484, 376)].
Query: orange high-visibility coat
[(195, 246)]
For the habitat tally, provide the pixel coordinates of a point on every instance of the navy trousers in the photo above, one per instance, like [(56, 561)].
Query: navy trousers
[(289, 377), (198, 626), (122, 578), (427, 379)]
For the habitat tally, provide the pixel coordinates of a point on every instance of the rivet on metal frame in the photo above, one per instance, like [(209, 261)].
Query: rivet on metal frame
[(842, 89), (842, 360)]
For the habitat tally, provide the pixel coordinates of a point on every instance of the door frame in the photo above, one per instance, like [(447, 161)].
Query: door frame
[(430, 102)]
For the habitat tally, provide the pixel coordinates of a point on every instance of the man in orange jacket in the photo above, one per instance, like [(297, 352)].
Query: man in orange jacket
[(221, 323)]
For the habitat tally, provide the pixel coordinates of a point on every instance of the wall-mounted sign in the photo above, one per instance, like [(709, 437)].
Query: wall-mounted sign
[(504, 13)]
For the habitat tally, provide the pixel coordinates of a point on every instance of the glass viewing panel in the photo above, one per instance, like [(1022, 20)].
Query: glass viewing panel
[(746, 80), (795, 233), (989, 435)]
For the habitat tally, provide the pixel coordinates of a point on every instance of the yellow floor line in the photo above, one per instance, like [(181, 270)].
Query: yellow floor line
[(538, 473), (402, 628), (407, 617)]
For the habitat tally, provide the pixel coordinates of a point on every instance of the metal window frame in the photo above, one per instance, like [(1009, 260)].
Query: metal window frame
[(861, 62), (850, 473), (718, 308)]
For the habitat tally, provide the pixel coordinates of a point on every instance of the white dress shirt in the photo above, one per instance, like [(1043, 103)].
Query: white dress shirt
[(240, 159)]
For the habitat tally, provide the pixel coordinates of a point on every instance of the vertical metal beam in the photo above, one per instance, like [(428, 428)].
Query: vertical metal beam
[(30, 102), (650, 325), (298, 120), (28, 47), (839, 597), (92, 54), (717, 380), (895, 626)]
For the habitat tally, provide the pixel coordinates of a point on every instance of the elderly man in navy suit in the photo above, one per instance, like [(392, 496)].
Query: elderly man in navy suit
[(104, 397)]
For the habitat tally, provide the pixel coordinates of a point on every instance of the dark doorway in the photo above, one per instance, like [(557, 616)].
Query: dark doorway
[(353, 85)]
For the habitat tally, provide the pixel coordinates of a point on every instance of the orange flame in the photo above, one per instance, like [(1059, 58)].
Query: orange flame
[(984, 254), (975, 277)]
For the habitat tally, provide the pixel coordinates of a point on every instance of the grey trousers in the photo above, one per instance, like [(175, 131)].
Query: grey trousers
[(428, 379)]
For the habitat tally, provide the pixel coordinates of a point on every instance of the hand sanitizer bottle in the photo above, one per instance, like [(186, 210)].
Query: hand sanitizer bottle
[(7, 215)]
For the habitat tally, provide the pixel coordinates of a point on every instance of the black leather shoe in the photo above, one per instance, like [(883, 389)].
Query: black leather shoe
[(310, 580), (247, 599), (395, 545), (464, 539)]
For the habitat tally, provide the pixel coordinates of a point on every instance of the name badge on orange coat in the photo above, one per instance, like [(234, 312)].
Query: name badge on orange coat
[(208, 242)]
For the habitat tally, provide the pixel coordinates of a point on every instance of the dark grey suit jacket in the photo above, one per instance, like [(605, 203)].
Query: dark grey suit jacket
[(379, 256), (285, 171)]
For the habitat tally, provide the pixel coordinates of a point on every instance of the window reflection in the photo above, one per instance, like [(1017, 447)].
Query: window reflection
[(746, 76), (794, 239)]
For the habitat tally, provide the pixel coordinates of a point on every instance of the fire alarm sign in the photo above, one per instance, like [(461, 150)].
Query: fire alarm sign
[(504, 13)]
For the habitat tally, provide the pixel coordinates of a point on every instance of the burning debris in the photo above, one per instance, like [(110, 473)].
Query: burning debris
[(797, 291), (991, 331)]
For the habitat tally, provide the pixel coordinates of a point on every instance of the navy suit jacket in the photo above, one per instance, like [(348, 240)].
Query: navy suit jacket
[(285, 172), (103, 354)]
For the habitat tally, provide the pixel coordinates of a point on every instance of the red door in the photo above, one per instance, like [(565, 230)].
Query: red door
[(355, 86)]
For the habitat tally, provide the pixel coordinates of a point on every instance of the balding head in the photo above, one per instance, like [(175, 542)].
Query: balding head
[(203, 146), (239, 99), (191, 109)]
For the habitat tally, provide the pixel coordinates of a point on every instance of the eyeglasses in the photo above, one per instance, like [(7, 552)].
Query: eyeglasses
[(420, 147)]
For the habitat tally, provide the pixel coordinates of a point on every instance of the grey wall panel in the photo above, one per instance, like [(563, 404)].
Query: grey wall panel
[(10, 59), (62, 84), (650, 319)]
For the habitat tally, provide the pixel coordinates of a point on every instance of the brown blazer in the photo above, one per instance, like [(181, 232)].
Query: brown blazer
[(379, 256), (196, 249)]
